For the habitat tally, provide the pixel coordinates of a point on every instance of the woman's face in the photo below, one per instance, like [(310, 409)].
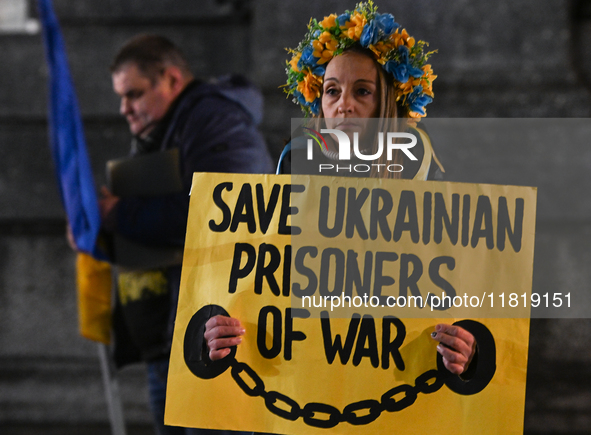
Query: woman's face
[(350, 89)]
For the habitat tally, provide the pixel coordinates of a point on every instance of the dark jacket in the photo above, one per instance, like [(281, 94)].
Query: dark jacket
[(214, 127)]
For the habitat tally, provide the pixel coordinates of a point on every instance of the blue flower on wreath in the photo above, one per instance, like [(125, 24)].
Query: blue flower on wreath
[(402, 70), (307, 59), (319, 70), (382, 26), (300, 97), (417, 101), (342, 19), (314, 106)]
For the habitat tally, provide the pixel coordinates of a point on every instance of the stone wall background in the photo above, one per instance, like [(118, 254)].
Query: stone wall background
[(522, 58)]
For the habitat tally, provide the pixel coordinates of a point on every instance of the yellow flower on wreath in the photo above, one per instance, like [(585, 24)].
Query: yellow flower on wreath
[(310, 87), (380, 50), (406, 88), (324, 47), (399, 38), (294, 62), (414, 118), (329, 22), (427, 80), (354, 27)]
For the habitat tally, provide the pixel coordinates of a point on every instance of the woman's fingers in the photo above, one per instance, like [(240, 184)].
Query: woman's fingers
[(221, 333), (457, 347), (221, 343), (452, 360), (215, 355)]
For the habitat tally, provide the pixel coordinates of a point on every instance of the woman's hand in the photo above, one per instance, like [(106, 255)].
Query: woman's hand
[(221, 333), (456, 345)]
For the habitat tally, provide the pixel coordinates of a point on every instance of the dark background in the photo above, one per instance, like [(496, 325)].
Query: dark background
[(522, 58)]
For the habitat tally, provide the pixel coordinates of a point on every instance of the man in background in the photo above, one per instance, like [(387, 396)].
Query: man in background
[(213, 129)]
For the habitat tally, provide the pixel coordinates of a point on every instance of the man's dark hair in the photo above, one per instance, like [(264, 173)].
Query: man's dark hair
[(151, 54)]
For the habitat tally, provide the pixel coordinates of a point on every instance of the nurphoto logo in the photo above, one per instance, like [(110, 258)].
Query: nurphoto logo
[(359, 158)]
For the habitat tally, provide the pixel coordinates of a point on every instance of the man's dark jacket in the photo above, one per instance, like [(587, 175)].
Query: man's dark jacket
[(214, 127)]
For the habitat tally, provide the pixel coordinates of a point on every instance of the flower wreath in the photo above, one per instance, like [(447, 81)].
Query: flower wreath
[(397, 52)]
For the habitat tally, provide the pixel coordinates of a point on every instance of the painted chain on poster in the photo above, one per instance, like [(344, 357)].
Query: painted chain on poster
[(339, 283)]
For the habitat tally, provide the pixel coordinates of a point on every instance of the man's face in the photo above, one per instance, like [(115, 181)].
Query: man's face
[(143, 103)]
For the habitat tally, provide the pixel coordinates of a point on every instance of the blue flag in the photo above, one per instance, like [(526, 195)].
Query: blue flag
[(68, 146)]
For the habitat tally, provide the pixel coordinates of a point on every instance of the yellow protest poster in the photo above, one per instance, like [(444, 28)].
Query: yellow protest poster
[(339, 283)]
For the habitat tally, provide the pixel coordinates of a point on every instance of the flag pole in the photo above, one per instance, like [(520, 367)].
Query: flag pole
[(112, 394)]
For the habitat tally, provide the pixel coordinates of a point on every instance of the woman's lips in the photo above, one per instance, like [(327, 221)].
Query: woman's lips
[(347, 125)]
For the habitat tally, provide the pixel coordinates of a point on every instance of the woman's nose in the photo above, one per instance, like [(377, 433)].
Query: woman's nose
[(345, 104)]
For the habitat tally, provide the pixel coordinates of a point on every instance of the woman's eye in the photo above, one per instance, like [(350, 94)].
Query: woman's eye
[(331, 91), (363, 91)]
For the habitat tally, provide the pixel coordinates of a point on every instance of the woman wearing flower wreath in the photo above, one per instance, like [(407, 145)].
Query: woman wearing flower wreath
[(352, 67)]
